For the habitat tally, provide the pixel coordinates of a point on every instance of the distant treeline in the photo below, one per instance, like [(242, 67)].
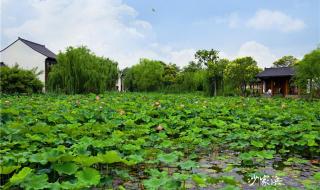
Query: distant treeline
[(215, 76), (78, 70), (211, 75)]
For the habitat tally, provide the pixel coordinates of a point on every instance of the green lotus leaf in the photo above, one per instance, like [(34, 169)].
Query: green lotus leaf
[(245, 156), (38, 158), (317, 176), (87, 160), (257, 144), (180, 176), (265, 154), (66, 168), (153, 183), (136, 158), (53, 155), (54, 186), (88, 177), (168, 158), (8, 169), (110, 157), (187, 165), (199, 180), (35, 182), (68, 185), (19, 177), (229, 180), (131, 147)]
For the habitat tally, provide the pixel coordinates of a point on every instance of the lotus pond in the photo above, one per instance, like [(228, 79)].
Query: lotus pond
[(158, 141)]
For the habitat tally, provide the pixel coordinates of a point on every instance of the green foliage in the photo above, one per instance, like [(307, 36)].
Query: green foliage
[(308, 72), (110, 157), (187, 165), (206, 57), (66, 168), (170, 74), (160, 180), (168, 158), (145, 76), (35, 182), (88, 177), (79, 142), (215, 68), (215, 76), (241, 72), (22, 175), (18, 80), (78, 70), (8, 169), (191, 81), (285, 61)]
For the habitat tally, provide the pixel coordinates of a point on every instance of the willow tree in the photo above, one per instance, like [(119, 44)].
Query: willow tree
[(78, 70), (147, 75)]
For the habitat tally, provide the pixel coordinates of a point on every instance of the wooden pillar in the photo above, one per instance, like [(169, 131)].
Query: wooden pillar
[(286, 87), (271, 81)]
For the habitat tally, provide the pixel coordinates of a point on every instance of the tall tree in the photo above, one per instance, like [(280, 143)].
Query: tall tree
[(207, 56), (78, 70), (308, 71), (170, 74), (285, 61), (241, 72), (210, 59)]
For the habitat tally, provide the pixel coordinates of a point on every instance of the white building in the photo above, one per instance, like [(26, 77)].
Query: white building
[(120, 83), (28, 55)]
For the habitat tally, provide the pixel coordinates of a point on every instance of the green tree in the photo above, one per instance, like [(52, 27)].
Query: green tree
[(78, 70), (18, 80), (192, 67), (217, 71), (145, 76), (189, 81), (207, 56), (285, 61), (170, 74), (191, 78), (308, 72), (241, 72), (210, 59)]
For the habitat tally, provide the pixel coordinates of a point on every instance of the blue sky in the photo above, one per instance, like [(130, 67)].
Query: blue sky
[(168, 30)]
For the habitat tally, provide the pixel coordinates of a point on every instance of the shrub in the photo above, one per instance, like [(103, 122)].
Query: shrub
[(18, 80), (78, 70)]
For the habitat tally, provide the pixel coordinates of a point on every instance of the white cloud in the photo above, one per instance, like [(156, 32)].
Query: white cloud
[(277, 20), (109, 28), (181, 57), (259, 52)]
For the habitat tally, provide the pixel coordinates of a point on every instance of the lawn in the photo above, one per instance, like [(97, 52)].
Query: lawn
[(158, 141)]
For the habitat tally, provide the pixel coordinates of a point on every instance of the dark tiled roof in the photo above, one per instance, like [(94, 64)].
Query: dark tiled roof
[(276, 72), (39, 48)]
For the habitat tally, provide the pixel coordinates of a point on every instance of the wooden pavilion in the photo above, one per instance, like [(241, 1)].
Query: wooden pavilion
[(278, 80)]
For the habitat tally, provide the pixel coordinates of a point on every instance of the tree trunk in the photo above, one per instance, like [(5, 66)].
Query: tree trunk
[(311, 90), (215, 87)]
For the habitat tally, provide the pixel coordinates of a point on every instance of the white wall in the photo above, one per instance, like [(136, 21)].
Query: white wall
[(25, 57)]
